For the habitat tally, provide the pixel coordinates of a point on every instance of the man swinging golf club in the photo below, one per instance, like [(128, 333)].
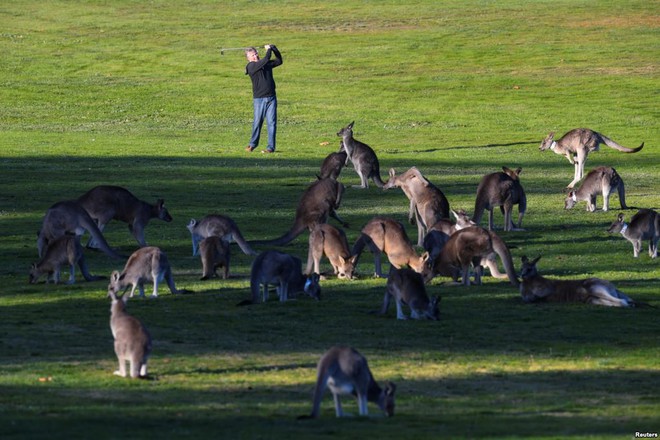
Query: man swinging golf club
[(263, 93)]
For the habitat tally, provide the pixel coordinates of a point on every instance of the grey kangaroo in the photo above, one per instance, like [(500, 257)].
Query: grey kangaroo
[(385, 235), (63, 250), (214, 253), (362, 156), (345, 371), (146, 264), (501, 189), (69, 217), (285, 272), (216, 225), (328, 240), (405, 286), (428, 204), (577, 144), (644, 225), (105, 203), (601, 180), (132, 339), (536, 288), (333, 164)]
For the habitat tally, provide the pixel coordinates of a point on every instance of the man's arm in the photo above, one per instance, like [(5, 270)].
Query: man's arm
[(278, 56)]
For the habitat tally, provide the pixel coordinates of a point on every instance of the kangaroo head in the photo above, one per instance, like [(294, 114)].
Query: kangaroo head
[(117, 303), (514, 174), (433, 311), (312, 286), (191, 225), (346, 131), (386, 399), (617, 225), (163, 214), (393, 181), (422, 265), (547, 141), (34, 273), (116, 283), (346, 267), (570, 200), (462, 220), (528, 269)]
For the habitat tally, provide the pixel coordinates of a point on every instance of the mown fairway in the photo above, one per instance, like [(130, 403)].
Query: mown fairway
[(136, 94)]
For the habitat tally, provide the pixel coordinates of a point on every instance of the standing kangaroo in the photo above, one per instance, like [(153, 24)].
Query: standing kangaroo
[(536, 288), (63, 250), (319, 201), (644, 225), (216, 225), (69, 217), (406, 286), (146, 264), (362, 156), (601, 180), (577, 144), (501, 189), (132, 339), (333, 164), (105, 203), (385, 235), (214, 253), (345, 371), (428, 204), (284, 271), (328, 240)]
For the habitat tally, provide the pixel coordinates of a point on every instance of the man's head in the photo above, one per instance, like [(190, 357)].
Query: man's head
[(252, 54)]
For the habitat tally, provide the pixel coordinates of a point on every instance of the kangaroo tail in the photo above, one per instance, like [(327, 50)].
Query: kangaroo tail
[(377, 180), (479, 207), (617, 182), (287, 238), (610, 143), (242, 243), (96, 233), (502, 250)]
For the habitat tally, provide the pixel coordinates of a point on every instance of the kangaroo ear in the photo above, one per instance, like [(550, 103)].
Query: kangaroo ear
[(518, 171), (425, 257), (342, 260), (524, 259), (390, 388), (115, 275), (455, 214), (160, 203), (507, 170), (620, 217), (551, 135), (350, 125), (392, 172)]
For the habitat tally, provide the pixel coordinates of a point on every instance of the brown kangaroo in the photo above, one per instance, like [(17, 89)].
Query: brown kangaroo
[(105, 203), (577, 144), (406, 286), (63, 250), (501, 189), (362, 156), (644, 225), (214, 253), (328, 240), (216, 225), (132, 339), (601, 180)]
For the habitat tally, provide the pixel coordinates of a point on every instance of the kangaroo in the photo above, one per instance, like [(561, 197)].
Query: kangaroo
[(132, 339), (385, 235), (328, 240), (105, 203), (319, 201), (363, 158), (146, 264), (219, 226), (283, 270), (601, 180), (333, 164), (644, 225), (536, 288), (214, 253), (501, 189), (63, 250), (344, 370), (406, 286), (428, 204), (577, 144), (68, 217)]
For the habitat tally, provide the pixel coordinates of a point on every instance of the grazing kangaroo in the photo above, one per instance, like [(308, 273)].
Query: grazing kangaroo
[(283, 270), (536, 288), (644, 225), (345, 371), (328, 240), (333, 164), (577, 144), (428, 204), (363, 158), (601, 180), (105, 203), (385, 235), (132, 339), (69, 217), (146, 264), (214, 253), (63, 250), (319, 201), (501, 189), (406, 286), (216, 225)]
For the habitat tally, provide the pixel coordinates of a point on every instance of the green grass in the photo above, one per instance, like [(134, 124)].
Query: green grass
[(136, 94)]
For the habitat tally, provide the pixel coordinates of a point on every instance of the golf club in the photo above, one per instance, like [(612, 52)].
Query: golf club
[(224, 49)]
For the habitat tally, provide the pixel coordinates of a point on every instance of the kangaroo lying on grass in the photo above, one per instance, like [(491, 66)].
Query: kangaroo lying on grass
[(333, 164), (501, 189), (216, 225), (644, 225), (536, 288), (146, 264), (132, 339), (577, 144), (406, 286), (105, 203), (601, 180), (283, 270), (386, 235), (362, 156), (328, 240), (214, 253), (428, 204), (63, 250), (345, 371)]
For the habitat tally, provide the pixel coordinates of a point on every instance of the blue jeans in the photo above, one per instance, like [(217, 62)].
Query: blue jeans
[(264, 108)]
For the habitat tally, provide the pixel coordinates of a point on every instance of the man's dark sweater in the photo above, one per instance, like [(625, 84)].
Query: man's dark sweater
[(261, 73)]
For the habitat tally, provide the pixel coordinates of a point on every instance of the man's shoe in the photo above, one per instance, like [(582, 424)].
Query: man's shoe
[(249, 149), (267, 151)]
